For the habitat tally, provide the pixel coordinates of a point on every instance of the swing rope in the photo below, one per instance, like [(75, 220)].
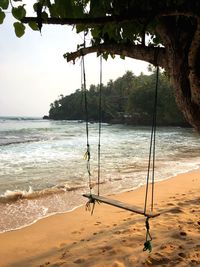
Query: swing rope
[(152, 152), (91, 200), (84, 89), (152, 149), (147, 243), (154, 139), (100, 122)]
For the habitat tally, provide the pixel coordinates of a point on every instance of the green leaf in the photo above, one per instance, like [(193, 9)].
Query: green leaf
[(4, 4), (80, 28), (112, 56), (35, 7), (19, 12), (64, 8), (96, 31), (2, 16), (33, 25), (105, 55), (19, 29), (97, 8), (53, 11), (44, 15)]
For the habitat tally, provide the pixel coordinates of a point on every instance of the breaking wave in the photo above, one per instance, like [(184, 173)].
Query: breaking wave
[(15, 195)]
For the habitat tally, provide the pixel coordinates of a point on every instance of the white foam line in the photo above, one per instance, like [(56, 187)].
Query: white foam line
[(156, 181), (123, 191), (41, 218)]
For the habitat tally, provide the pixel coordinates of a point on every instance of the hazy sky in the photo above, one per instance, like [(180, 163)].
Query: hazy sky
[(33, 72)]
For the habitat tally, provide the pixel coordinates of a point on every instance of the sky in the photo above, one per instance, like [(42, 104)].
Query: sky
[(33, 72)]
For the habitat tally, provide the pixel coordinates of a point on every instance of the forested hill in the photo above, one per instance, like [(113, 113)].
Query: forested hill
[(129, 99)]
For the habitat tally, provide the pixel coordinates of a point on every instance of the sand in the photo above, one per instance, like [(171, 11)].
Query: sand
[(114, 237)]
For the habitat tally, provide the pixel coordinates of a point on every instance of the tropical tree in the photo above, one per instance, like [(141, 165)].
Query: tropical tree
[(164, 33), (130, 101)]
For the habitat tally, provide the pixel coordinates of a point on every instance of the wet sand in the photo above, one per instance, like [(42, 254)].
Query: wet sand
[(112, 236)]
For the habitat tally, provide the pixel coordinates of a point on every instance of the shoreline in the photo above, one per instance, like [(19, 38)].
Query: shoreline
[(37, 220), (63, 240), (82, 205)]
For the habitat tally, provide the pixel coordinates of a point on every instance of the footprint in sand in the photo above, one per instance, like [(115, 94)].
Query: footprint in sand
[(79, 261), (176, 210), (182, 255), (106, 248), (97, 223), (117, 232), (183, 233), (159, 259), (78, 232), (46, 263), (170, 204)]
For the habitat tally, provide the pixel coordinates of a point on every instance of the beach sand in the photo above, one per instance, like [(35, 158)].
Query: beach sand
[(112, 236)]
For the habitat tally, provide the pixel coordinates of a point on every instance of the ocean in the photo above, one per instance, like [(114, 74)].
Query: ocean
[(43, 171)]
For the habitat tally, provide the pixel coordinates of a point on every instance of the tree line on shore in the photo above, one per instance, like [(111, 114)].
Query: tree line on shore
[(129, 99)]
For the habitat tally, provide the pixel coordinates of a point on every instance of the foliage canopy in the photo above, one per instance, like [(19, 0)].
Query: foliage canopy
[(129, 99), (164, 33)]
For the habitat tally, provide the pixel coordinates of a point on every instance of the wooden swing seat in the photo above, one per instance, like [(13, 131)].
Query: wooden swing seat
[(121, 205)]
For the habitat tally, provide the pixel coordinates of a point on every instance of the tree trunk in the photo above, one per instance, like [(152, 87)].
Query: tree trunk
[(183, 66)]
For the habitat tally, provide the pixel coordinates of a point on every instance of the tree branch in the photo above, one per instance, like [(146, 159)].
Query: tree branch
[(153, 55), (188, 10), (89, 21), (85, 21)]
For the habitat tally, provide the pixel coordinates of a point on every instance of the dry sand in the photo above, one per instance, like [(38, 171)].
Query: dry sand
[(114, 237)]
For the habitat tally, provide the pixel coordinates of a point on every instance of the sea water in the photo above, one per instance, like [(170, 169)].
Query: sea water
[(43, 171)]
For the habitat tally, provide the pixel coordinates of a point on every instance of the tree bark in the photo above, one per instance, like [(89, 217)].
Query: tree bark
[(183, 50), (153, 55)]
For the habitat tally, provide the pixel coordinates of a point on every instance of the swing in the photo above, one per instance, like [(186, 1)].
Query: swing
[(93, 198)]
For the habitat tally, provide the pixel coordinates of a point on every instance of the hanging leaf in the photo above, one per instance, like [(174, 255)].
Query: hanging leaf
[(33, 25), (105, 55), (4, 4), (19, 12), (19, 29), (35, 7), (44, 15), (53, 11), (64, 8), (80, 28), (2, 16), (38, 9), (112, 55)]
